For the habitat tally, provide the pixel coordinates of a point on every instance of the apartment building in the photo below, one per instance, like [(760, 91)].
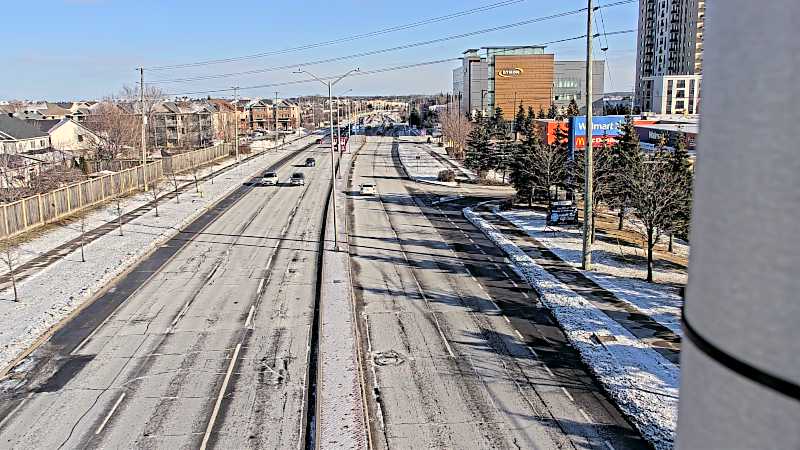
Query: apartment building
[(670, 42)]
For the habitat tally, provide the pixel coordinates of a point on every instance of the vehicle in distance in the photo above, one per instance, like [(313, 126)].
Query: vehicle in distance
[(269, 179), (368, 189), (310, 162), (298, 179)]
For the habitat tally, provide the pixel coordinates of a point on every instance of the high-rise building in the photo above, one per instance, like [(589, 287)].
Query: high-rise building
[(670, 42)]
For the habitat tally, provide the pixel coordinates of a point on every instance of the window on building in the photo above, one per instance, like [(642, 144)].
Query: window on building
[(80, 138), (681, 84)]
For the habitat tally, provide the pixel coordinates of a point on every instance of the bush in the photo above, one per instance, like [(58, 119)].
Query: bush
[(446, 175)]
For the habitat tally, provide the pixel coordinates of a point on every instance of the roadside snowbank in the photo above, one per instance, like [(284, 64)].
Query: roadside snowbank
[(50, 295), (642, 382), (420, 165), (618, 268)]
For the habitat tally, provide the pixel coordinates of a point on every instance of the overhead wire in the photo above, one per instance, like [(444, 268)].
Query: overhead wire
[(339, 40), (383, 50)]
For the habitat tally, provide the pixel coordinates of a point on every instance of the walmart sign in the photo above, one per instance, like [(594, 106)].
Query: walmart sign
[(601, 125)]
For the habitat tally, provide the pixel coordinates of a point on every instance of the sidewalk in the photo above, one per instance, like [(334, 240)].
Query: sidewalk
[(56, 290), (634, 370)]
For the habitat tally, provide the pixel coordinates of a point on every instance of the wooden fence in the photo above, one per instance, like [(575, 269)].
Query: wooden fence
[(35, 211)]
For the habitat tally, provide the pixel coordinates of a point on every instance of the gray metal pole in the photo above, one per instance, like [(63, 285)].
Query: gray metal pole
[(586, 256), (333, 172), (740, 380), (236, 118), (275, 111), (144, 128)]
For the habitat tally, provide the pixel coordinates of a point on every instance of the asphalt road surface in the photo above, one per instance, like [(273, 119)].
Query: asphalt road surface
[(211, 347), (460, 354)]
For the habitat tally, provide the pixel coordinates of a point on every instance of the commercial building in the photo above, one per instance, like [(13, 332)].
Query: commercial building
[(670, 42), (507, 76), (650, 135), (673, 94)]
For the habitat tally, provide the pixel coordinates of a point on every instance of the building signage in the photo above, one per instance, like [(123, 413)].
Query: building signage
[(602, 126), (562, 213), (508, 73)]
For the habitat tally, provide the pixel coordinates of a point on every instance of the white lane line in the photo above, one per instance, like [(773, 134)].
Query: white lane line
[(250, 316), (513, 283), (519, 334), (110, 413), (585, 416), (566, 392), (507, 319), (526, 295), (481, 250), (13, 411), (608, 445), (218, 403), (552, 375), (260, 283)]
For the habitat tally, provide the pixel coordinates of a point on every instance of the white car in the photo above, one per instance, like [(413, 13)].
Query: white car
[(367, 189), (269, 179)]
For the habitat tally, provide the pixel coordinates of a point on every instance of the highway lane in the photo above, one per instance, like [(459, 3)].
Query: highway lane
[(460, 354), (211, 350)]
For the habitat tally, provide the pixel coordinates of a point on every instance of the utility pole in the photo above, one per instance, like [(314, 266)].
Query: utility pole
[(275, 111), (338, 128), (236, 118), (330, 85), (144, 128), (586, 259)]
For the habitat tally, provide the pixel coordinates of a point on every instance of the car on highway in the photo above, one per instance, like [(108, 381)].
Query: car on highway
[(311, 162), (297, 179), (367, 189), (269, 179)]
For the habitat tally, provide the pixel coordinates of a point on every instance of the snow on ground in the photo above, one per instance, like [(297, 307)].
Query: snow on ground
[(425, 169), (53, 293), (461, 168), (641, 382), (617, 268)]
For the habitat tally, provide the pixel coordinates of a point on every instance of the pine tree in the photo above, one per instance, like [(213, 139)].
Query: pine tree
[(478, 155), (552, 113), (572, 109), (624, 150), (519, 121), (541, 114)]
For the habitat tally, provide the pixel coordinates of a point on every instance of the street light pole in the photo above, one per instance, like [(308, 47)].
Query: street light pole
[(586, 260), (330, 85)]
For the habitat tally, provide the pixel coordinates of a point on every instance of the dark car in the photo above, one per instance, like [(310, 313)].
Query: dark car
[(297, 179), (310, 162)]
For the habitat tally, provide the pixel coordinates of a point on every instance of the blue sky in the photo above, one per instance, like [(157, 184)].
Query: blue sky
[(73, 49)]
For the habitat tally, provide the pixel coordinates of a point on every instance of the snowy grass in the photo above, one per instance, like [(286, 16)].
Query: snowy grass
[(617, 267), (641, 382), (425, 169), (53, 293)]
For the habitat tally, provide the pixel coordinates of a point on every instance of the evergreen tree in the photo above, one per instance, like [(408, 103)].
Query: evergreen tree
[(478, 156), (541, 114), (519, 121), (624, 150), (414, 119), (552, 112), (530, 120), (572, 109), (680, 165)]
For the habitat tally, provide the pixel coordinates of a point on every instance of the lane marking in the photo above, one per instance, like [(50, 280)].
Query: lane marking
[(218, 403), (110, 413), (608, 444), (260, 283), (526, 295), (250, 317), (16, 408), (519, 334), (552, 375), (507, 319), (513, 283), (566, 392), (585, 416)]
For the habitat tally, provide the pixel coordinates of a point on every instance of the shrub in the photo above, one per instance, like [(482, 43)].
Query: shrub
[(446, 175)]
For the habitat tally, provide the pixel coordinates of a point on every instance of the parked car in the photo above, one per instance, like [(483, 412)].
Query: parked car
[(310, 162), (298, 179), (269, 179), (368, 189)]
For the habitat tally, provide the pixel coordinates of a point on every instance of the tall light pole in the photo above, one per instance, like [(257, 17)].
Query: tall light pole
[(330, 85), (586, 254), (144, 128), (236, 116)]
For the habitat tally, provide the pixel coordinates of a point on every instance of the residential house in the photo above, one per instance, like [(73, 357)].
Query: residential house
[(16, 137), (182, 125), (261, 115), (68, 135), (223, 119)]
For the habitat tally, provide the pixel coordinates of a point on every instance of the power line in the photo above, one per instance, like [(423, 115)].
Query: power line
[(369, 72), (383, 50), (342, 39)]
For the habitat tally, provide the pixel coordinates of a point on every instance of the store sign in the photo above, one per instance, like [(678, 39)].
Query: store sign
[(509, 73), (608, 127)]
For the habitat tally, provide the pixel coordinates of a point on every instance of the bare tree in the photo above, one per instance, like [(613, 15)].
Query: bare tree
[(119, 215), (173, 178), (456, 128), (155, 191), (9, 254), (603, 176), (657, 194), (117, 131)]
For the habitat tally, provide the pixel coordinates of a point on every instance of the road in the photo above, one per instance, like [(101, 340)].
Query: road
[(209, 345), (459, 352)]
